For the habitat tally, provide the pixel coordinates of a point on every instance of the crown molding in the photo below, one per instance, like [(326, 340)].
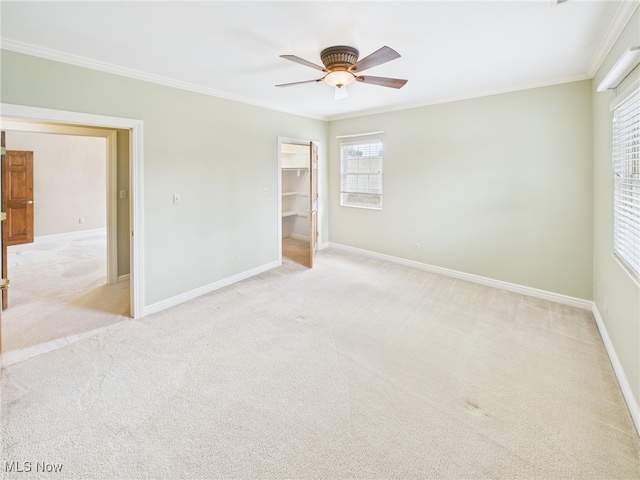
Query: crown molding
[(625, 11), (620, 20), (57, 56), (484, 93)]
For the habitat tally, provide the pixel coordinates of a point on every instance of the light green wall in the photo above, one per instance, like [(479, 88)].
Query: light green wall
[(217, 154), (617, 296), (498, 186), (124, 229)]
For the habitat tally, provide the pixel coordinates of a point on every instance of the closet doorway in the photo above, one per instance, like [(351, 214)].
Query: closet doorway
[(298, 162)]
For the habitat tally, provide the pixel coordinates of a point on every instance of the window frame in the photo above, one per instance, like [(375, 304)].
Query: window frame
[(356, 171), (625, 163)]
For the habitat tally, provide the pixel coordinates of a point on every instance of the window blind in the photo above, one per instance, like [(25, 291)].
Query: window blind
[(626, 192), (361, 171)]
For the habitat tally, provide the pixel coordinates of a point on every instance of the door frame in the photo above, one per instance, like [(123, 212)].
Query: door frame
[(292, 141), (48, 120)]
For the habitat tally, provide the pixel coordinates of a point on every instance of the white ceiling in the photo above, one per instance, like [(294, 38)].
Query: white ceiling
[(450, 49)]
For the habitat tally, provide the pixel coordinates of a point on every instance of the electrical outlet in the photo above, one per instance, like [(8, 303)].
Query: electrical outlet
[(237, 257), (265, 191), (176, 199), (416, 247), (81, 220)]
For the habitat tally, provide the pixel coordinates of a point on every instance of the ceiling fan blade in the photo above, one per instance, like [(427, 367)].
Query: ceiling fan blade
[(383, 55), (302, 61), (341, 93), (382, 81), (299, 83)]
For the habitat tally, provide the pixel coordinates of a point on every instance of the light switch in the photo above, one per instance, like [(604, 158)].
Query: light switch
[(176, 199)]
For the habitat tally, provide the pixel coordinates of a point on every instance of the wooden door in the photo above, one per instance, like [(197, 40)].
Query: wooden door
[(313, 196), (18, 193), (3, 249)]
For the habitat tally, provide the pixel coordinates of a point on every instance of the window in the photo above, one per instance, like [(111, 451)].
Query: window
[(626, 188), (361, 171)]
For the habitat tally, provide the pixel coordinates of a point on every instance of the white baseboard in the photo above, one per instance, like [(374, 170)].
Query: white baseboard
[(71, 235), (125, 277), (510, 287), (299, 237), (627, 392), (321, 246), (185, 297)]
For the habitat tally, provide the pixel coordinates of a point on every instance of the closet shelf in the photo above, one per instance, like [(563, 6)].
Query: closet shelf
[(288, 194), (291, 213)]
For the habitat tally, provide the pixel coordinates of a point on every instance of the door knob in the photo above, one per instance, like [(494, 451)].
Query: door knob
[(28, 202)]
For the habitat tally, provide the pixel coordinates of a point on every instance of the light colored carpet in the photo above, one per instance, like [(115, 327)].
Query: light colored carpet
[(58, 292), (357, 368)]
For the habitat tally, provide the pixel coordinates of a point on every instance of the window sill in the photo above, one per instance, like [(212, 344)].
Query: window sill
[(626, 270)]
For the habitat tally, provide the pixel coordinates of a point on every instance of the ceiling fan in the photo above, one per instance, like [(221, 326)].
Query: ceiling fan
[(342, 67)]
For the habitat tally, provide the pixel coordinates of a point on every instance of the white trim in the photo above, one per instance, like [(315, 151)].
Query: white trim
[(627, 392), (625, 269), (625, 94), (198, 292), (57, 56), (620, 20), (136, 219), (71, 235), (124, 278), (26, 113), (299, 237), (360, 134), (40, 52), (279, 200), (11, 124), (457, 98), (490, 282), (626, 63)]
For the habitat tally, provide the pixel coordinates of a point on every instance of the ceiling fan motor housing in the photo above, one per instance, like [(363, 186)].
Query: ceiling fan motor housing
[(339, 58)]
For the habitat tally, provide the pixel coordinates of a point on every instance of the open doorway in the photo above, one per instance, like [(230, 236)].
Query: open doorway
[(123, 173), (59, 282), (298, 189)]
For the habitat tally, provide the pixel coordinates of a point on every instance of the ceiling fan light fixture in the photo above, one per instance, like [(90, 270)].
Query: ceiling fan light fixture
[(339, 78), (342, 67)]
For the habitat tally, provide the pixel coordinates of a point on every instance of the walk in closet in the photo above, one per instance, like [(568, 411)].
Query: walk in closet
[(296, 185)]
